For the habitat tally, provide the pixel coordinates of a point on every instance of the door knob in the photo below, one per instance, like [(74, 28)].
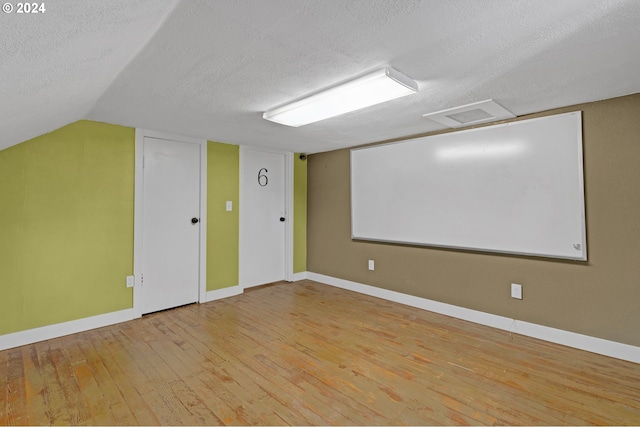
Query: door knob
[(281, 219), (194, 220)]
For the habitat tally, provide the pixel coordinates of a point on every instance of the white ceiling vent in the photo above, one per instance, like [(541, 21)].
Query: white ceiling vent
[(471, 114)]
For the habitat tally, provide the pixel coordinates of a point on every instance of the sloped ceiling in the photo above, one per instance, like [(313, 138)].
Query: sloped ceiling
[(210, 68)]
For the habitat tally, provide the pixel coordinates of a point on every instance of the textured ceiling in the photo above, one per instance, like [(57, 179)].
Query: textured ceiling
[(210, 68)]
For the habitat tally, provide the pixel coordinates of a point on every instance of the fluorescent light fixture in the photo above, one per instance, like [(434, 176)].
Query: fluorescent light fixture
[(374, 88)]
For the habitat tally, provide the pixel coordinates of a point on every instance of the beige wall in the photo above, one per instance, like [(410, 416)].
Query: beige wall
[(600, 298)]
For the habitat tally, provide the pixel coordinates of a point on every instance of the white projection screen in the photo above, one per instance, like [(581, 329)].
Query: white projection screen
[(510, 188)]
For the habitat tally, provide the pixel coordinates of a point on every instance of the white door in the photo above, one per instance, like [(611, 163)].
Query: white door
[(263, 217), (171, 227)]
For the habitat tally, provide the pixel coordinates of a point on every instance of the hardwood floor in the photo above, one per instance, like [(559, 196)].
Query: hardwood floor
[(307, 353)]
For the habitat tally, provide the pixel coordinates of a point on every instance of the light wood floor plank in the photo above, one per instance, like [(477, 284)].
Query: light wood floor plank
[(75, 404), (52, 391), (113, 400), (4, 390), (123, 376), (37, 406), (310, 354), (16, 393)]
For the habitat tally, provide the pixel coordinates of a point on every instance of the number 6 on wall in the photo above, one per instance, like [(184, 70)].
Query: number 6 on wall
[(263, 180)]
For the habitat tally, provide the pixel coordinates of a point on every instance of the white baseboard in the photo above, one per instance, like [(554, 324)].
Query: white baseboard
[(300, 276), (217, 294), (558, 336), (545, 333), (43, 333), (48, 332), (583, 342)]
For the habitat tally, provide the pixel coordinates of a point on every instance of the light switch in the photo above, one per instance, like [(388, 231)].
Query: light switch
[(229, 205)]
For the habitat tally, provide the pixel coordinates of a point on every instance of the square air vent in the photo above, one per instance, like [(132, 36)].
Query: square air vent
[(471, 114)]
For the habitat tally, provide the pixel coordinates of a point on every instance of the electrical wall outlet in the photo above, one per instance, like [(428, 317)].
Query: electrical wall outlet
[(229, 206), (516, 291), (372, 265), (131, 281)]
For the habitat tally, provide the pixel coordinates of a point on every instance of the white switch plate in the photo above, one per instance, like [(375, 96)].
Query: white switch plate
[(229, 206), (372, 265), (516, 291), (131, 281)]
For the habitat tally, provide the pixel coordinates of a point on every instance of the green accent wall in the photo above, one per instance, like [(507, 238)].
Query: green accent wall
[(223, 184), (299, 214), (66, 225)]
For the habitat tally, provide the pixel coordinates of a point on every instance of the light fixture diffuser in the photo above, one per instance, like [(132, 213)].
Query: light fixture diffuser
[(374, 88), (471, 114)]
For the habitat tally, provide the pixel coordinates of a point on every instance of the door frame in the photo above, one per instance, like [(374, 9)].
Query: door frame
[(138, 223), (288, 202)]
